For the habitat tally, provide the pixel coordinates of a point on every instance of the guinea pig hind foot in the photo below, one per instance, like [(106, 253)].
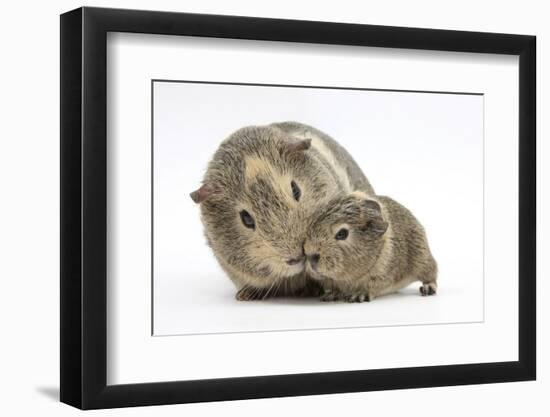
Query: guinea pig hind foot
[(428, 288)]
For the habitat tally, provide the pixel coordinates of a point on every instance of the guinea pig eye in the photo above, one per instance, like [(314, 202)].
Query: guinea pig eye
[(247, 219), (342, 234), (296, 192)]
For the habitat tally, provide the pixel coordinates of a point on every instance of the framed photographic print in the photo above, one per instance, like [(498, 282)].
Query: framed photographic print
[(257, 207)]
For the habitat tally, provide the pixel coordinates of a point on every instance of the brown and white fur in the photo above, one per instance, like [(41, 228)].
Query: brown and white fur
[(361, 247), (258, 196)]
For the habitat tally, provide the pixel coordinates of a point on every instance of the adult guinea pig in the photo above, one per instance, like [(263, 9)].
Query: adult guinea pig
[(361, 247), (257, 197)]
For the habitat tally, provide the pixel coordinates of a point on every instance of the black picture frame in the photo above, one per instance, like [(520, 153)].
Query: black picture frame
[(83, 207)]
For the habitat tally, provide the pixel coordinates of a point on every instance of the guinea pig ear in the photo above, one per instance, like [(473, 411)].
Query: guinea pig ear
[(374, 221), (298, 146), (198, 196)]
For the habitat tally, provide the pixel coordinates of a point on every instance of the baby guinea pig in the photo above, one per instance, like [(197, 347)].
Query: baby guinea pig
[(361, 247), (258, 195)]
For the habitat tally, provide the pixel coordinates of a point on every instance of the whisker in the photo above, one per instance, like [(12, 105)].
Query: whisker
[(269, 290)]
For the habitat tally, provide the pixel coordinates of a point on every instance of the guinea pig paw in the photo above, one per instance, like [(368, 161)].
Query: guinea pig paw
[(428, 289), (249, 294), (329, 295), (357, 297)]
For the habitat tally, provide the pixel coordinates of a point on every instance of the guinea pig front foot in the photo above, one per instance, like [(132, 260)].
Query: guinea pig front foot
[(429, 288), (358, 297), (329, 295), (250, 294)]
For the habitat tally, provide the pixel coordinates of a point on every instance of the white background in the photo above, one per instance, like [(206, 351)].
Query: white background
[(133, 356), (29, 172), (425, 150)]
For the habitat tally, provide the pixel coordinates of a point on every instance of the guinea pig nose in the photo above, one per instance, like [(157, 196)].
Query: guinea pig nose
[(314, 259), (294, 261)]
